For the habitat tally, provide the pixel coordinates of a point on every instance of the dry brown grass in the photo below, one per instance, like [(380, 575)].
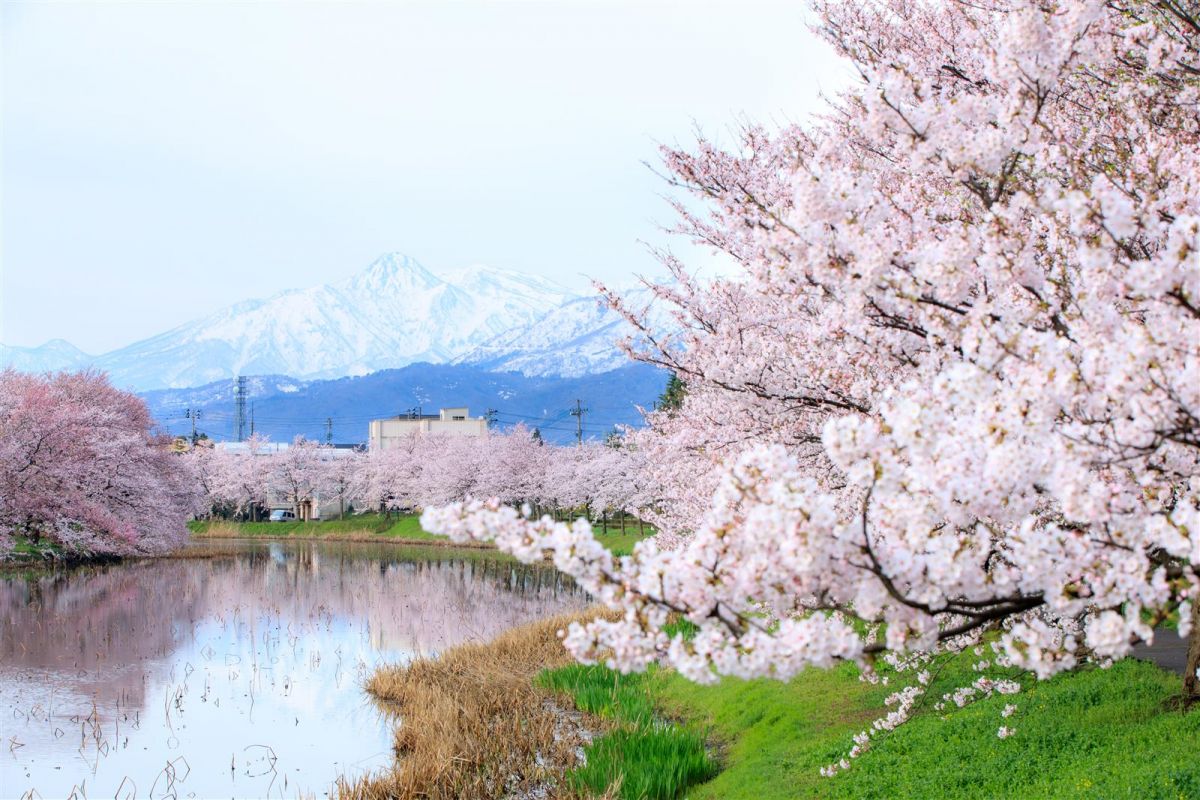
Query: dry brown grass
[(215, 550), (219, 530), (471, 723)]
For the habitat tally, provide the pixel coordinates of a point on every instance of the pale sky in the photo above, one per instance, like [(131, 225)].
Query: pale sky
[(164, 159)]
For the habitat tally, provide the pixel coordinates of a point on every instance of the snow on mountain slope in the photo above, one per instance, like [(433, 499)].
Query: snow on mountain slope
[(52, 356), (394, 313), (580, 337)]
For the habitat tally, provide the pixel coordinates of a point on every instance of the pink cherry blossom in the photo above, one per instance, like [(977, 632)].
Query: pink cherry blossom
[(81, 467), (954, 390)]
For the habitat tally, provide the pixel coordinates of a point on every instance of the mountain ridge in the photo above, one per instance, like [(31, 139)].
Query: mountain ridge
[(284, 407), (393, 313)]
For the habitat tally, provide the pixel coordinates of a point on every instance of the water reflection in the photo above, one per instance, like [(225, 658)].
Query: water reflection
[(237, 675)]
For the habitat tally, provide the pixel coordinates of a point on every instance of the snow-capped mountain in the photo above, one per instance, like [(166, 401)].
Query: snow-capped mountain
[(396, 312), (52, 356), (582, 336), (579, 337)]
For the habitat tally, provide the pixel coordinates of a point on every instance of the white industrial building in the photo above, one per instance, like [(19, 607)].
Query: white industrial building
[(385, 434)]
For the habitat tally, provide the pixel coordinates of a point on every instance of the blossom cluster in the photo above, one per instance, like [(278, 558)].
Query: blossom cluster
[(954, 391), (423, 470), (82, 470)]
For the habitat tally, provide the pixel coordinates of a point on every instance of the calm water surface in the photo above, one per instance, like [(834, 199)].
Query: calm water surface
[(238, 675)]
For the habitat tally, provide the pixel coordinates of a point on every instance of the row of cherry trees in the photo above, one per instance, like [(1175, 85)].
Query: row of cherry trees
[(82, 472), (955, 391), (419, 472)]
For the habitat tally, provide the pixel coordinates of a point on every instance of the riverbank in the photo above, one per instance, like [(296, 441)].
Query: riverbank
[(371, 528), (1095, 733), (474, 724), (261, 649), (365, 528)]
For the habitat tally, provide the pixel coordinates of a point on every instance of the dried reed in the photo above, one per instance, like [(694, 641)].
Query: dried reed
[(471, 723)]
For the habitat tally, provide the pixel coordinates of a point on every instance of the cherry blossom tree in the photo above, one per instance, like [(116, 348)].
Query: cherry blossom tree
[(451, 468), (955, 391), (514, 467), (390, 479), (295, 473), (207, 469), (82, 468), (341, 477), (247, 476)]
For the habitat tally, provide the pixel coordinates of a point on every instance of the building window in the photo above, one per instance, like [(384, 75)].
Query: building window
[(458, 419)]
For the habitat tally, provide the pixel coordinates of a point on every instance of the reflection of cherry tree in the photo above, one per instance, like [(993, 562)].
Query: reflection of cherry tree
[(81, 468), (186, 657), (87, 625), (86, 622)]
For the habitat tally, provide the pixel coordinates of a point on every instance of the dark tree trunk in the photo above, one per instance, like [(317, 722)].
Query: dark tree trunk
[(1191, 684)]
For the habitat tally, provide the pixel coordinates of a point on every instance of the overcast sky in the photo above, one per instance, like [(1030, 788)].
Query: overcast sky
[(162, 160)]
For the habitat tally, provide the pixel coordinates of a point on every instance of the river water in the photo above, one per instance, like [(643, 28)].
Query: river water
[(236, 674)]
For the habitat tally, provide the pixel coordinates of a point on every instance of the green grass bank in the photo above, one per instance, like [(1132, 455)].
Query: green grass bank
[(371, 528), (1092, 734)]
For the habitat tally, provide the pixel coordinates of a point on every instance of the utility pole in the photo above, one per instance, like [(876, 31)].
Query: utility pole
[(577, 412), (239, 400), (193, 415), (329, 430)]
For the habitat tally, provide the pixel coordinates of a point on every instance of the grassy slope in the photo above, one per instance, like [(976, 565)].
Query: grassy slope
[(363, 527), (651, 758), (1099, 733)]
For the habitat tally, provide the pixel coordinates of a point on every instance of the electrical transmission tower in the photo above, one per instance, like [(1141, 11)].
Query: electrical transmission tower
[(490, 416), (193, 414), (577, 412), (329, 430), (239, 399)]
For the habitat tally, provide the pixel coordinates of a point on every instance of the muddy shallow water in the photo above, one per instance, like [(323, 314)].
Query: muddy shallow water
[(238, 675)]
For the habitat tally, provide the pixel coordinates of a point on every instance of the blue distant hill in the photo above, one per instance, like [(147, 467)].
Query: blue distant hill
[(284, 407)]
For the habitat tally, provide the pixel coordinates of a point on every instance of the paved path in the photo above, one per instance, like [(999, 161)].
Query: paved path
[(1169, 651)]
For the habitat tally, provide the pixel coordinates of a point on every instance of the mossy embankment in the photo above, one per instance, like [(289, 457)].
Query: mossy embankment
[(1093, 733)]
